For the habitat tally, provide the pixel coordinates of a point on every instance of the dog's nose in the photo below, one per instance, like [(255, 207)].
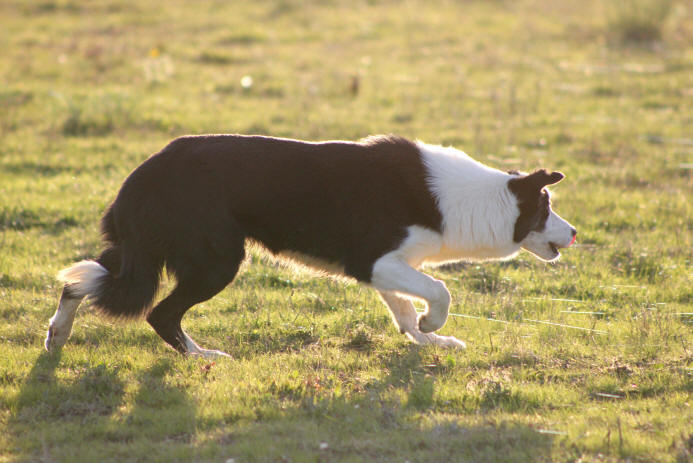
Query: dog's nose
[(573, 231)]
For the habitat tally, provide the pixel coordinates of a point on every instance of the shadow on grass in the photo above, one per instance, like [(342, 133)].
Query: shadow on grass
[(153, 415), (391, 421), (377, 434), (97, 391), (49, 411), (160, 412), (58, 409)]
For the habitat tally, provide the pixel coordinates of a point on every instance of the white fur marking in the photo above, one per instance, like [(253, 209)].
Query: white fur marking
[(479, 211), (83, 277), (193, 349), (392, 273), (557, 232), (60, 325), (83, 280), (405, 317)]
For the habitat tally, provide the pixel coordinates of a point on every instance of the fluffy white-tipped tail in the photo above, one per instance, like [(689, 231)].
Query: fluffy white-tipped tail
[(83, 277)]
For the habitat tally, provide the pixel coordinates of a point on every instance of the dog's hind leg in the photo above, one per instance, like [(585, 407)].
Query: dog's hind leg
[(166, 317), (404, 316), (197, 284), (60, 325)]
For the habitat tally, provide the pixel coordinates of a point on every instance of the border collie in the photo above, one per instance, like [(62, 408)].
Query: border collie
[(374, 210)]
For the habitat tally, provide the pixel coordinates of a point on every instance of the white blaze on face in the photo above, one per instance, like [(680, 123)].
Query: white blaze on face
[(538, 229), (557, 233)]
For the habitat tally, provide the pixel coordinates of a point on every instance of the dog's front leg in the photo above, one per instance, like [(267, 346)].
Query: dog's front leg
[(391, 273), (404, 315)]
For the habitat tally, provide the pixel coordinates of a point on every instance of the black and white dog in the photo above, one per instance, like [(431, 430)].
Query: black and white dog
[(374, 210)]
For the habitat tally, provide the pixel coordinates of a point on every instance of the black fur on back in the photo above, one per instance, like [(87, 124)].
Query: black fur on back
[(190, 207)]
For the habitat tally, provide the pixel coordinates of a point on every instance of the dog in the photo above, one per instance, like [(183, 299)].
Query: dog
[(375, 210)]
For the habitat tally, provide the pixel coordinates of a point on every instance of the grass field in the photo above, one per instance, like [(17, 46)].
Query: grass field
[(588, 359)]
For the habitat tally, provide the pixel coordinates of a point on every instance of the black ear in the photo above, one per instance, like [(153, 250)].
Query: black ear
[(535, 181), (555, 177), (540, 178)]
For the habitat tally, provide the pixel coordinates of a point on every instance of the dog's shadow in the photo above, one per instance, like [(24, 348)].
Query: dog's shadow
[(445, 439), (393, 416), (55, 405), (42, 396)]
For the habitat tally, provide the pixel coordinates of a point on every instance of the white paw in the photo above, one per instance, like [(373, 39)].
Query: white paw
[(424, 324), (194, 349), (60, 325), (432, 338), (448, 341), (209, 353), (56, 337)]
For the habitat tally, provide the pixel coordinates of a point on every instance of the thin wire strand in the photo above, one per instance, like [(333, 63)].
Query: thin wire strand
[(582, 312), (530, 320)]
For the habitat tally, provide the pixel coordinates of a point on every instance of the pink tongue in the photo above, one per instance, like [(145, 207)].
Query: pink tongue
[(572, 241)]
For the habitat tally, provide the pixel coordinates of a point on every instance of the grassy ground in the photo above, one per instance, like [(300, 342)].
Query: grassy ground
[(90, 89)]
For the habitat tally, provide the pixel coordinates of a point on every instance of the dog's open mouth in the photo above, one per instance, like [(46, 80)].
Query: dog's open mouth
[(555, 247)]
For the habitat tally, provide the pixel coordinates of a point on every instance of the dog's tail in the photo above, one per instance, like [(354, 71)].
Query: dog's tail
[(122, 283), (128, 294)]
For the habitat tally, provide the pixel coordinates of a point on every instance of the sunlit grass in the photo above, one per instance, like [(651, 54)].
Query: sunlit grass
[(587, 359)]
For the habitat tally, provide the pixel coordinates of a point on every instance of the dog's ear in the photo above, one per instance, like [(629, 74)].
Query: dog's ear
[(535, 181), (555, 177), (540, 178)]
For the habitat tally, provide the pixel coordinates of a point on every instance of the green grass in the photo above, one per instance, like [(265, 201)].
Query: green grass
[(319, 373), (638, 21)]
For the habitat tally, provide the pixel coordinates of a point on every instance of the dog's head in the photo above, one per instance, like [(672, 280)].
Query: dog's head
[(538, 229)]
